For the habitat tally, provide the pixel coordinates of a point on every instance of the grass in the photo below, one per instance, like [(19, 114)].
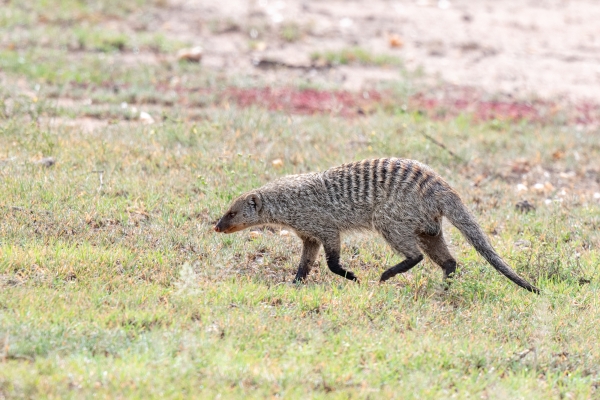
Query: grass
[(290, 32), (355, 55), (112, 282)]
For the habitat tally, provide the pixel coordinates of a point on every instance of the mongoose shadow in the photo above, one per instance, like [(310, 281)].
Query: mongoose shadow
[(404, 200)]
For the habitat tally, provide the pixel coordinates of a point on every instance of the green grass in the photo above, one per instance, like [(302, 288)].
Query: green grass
[(113, 284), (355, 55), (290, 32), (124, 288), (17, 13)]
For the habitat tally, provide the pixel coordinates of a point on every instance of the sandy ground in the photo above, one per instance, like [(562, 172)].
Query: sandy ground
[(540, 49)]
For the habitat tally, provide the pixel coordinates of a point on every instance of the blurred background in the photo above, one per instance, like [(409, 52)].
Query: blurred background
[(544, 48), (508, 59)]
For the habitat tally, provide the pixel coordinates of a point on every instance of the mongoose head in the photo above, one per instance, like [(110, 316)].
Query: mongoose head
[(243, 213)]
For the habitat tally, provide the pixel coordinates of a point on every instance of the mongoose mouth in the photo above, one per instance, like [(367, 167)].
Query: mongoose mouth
[(231, 229), (235, 228)]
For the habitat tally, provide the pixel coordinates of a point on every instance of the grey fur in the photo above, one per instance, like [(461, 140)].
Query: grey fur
[(404, 200)]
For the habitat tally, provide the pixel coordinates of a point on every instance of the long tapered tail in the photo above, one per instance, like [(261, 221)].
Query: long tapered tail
[(458, 214)]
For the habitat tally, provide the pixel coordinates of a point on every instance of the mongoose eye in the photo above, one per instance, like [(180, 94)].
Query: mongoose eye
[(232, 214)]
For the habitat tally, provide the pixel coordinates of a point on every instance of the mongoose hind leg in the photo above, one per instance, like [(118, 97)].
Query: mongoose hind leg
[(310, 251), (332, 253), (401, 244), (435, 247)]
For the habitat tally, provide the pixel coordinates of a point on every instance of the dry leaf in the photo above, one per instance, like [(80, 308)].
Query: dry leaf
[(558, 155), (395, 41)]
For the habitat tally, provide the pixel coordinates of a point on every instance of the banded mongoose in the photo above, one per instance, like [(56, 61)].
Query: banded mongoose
[(404, 200)]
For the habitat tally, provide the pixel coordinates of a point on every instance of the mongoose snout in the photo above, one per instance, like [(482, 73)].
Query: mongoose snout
[(241, 214), (403, 200)]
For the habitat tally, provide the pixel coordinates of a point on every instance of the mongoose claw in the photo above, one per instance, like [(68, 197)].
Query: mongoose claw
[(352, 277)]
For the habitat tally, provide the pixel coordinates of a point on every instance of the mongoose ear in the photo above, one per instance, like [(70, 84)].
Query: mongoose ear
[(255, 201)]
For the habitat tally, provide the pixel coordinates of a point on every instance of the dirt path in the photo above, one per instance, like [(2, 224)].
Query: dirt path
[(547, 49)]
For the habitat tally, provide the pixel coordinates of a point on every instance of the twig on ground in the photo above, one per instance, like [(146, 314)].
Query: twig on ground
[(520, 355), (100, 177), (443, 146)]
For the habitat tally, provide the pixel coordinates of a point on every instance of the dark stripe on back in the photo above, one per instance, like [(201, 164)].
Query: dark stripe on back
[(364, 180), (346, 183), (417, 173), (406, 169), (352, 184), (384, 171), (330, 196), (424, 182), (335, 185), (375, 179), (395, 177)]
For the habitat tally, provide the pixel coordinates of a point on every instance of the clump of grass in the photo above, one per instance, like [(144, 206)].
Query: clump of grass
[(220, 26), (75, 11), (355, 55), (290, 32), (100, 40)]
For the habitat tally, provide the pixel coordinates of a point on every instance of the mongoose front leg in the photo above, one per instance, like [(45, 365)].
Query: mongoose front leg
[(332, 253), (401, 267), (310, 251)]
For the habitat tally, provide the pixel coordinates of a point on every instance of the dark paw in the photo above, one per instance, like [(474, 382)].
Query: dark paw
[(386, 275), (449, 269), (350, 275)]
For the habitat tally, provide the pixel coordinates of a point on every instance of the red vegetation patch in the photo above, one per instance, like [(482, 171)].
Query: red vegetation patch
[(586, 114), (481, 110), (441, 104), (455, 101), (305, 101)]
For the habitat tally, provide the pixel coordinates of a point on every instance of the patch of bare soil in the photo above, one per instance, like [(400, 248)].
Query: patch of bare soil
[(548, 49)]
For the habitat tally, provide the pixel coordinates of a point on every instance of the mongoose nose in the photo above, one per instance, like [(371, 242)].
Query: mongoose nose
[(217, 228)]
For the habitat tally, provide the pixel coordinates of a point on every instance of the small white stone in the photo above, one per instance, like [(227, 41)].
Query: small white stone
[(146, 118), (346, 23), (521, 187), (193, 54), (443, 4)]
